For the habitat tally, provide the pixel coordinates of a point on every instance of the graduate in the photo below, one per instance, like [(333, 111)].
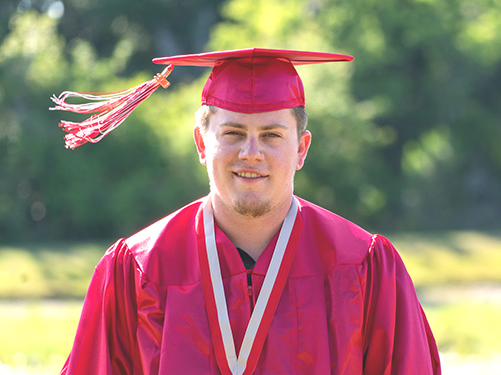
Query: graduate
[(250, 279)]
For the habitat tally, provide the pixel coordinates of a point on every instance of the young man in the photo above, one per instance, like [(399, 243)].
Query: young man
[(252, 279)]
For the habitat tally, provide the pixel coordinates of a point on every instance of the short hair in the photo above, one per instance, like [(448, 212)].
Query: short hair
[(203, 114), (301, 119)]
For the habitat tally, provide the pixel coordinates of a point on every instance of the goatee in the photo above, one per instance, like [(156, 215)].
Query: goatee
[(252, 208)]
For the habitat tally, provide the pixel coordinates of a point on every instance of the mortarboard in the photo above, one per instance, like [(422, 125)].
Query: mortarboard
[(244, 80)]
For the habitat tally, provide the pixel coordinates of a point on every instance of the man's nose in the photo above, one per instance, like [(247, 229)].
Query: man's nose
[(251, 149)]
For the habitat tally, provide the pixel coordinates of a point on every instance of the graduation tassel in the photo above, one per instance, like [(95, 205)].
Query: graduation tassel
[(112, 109)]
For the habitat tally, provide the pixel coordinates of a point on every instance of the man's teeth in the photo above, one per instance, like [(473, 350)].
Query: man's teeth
[(248, 175)]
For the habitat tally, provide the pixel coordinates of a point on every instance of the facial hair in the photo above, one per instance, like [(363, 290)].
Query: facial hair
[(252, 208)]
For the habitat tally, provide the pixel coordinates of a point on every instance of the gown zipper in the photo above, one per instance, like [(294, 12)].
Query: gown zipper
[(250, 290)]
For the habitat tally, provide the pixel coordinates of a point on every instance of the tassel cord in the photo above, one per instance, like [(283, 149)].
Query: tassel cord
[(112, 108), (105, 122), (106, 101), (122, 110), (103, 101)]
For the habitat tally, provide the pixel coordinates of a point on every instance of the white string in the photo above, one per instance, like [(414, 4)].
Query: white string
[(238, 365), (218, 288), (269, 282)]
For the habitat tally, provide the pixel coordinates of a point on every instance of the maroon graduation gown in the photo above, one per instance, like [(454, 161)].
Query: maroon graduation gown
[(348, 306)]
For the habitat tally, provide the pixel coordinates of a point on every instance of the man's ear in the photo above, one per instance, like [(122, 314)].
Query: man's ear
[(200, 143), (302, 151)]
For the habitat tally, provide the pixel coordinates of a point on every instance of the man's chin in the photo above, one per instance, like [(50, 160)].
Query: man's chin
[(252, 207)]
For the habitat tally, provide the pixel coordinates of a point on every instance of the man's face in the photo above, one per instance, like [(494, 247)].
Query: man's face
[(251, 159)]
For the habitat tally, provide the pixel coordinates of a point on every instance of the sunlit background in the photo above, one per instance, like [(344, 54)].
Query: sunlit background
[(406, 142)]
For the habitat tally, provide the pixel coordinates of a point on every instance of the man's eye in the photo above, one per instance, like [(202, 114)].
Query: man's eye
[(273, 135), (232, 133)]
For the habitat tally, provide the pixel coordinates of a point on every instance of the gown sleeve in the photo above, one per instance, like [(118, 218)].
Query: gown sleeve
[(104, 342), (397, 336)]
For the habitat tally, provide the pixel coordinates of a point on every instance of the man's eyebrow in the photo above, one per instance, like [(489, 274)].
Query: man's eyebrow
[(263, 127), (232, 125)]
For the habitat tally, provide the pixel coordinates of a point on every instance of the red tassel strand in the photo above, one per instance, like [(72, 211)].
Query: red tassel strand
[(112, 109)]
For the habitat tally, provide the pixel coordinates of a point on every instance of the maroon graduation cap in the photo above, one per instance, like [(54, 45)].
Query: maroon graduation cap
[(245, 80)]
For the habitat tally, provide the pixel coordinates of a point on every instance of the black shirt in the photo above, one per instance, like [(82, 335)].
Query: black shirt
[(249, 263)]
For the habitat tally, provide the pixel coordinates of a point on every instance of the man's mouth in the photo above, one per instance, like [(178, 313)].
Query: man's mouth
[(248, 175)]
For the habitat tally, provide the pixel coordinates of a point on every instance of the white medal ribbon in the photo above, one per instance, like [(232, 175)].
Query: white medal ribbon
[(238, 365)]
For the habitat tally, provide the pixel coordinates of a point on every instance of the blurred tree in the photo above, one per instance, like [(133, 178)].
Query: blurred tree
[(405, 137), (151, 27), (112, 190), (155, 27), (410, 131)]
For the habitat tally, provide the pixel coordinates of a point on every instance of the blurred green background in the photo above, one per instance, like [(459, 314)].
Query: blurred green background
[(406, 142)]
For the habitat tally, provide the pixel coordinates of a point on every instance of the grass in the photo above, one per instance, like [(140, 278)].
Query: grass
[(41, 288), (445, 258), (64, 270), (47, 271), (466, 328), (36, 335)]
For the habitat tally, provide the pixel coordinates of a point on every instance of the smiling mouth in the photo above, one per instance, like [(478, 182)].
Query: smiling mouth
[(248, 175)]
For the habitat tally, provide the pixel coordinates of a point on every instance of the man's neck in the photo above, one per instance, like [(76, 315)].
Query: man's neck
[(251, 234)]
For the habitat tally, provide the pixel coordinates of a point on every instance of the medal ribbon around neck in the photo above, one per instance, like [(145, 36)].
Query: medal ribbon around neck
[(215, 300)]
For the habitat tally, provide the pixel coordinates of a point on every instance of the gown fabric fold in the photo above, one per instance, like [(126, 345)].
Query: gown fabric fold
[(348, 306)]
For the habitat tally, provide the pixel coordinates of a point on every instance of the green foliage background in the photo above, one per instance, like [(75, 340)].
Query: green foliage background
[(406, 137)]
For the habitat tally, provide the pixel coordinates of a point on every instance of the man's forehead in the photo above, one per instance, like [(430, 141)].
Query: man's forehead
[(283, 118), (231, 124)]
